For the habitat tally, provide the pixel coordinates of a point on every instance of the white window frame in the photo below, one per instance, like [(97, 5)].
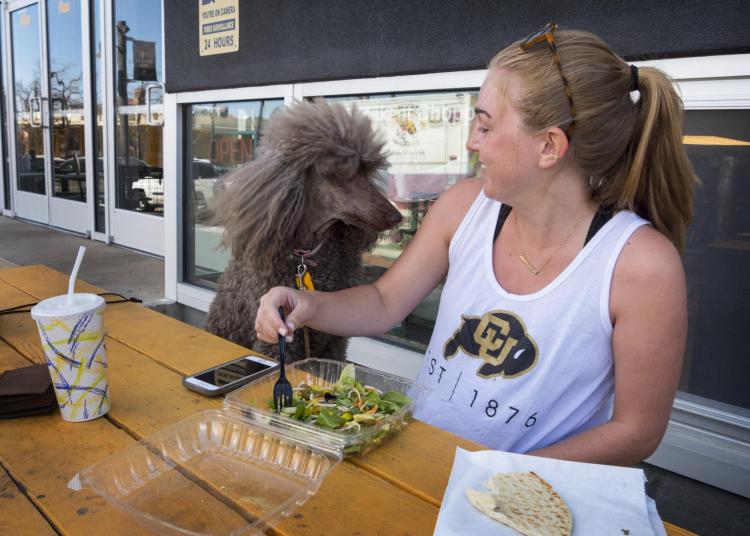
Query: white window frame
[(705, 440)]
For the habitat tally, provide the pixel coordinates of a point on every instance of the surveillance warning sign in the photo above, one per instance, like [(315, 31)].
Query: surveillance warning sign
[(218, 26)]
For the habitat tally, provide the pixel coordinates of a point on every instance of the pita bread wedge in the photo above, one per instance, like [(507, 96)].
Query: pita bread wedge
[(524, 502)]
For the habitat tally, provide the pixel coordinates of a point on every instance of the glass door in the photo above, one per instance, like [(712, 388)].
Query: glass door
[(50, 174), (137, 196)]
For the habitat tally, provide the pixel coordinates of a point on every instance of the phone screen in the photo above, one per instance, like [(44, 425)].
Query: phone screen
[(231, 372)]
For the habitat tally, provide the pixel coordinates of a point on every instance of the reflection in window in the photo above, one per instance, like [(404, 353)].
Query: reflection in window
[(717, 257), (28, 96), (223, 136), (66, 100), (138, 106), (425, 135)]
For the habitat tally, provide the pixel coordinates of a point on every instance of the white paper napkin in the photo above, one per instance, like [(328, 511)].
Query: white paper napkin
[(603, 499)]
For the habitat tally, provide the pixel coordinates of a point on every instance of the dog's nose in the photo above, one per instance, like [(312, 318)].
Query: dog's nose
[(394, 216)]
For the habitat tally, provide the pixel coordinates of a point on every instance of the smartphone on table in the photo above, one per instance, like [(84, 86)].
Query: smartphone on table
[(230, 375)]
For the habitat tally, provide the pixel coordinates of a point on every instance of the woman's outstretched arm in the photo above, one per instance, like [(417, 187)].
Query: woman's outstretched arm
[(375, 308)]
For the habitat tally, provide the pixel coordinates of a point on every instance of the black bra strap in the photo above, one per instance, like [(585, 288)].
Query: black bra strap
[(602, 216), (504, 211)]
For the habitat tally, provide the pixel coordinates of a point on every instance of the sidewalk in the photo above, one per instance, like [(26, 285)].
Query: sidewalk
[(130, 273)]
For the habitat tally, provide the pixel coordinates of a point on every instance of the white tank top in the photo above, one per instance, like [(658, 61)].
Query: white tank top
[(520, 372)]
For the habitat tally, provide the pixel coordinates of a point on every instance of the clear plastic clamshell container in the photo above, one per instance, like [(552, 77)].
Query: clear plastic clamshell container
[(240, 469), (211, 474), (253, 402)]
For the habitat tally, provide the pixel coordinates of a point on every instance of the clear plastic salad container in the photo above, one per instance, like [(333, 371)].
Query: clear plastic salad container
[(213, 473), (239, 470), (253, 401)]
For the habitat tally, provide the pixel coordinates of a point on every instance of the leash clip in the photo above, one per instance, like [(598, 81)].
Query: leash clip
[(301, 269), (302, 277)]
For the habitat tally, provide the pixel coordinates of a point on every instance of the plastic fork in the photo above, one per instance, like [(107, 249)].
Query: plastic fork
[(282, 389)]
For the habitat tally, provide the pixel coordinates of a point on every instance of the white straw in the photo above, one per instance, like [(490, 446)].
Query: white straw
[(76, 266)]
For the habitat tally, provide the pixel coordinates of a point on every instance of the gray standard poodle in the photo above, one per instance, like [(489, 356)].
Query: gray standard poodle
[(314, 189)]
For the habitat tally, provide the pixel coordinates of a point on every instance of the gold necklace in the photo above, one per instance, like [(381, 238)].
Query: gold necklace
[(525, 260)]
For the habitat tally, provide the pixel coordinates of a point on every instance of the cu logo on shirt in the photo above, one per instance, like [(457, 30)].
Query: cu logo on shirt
[(499, 339)]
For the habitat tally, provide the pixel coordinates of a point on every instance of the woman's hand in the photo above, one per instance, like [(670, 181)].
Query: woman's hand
[(300, 307)]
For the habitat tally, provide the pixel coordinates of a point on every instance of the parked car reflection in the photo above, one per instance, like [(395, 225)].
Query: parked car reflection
[(205, 177), (141, 186)]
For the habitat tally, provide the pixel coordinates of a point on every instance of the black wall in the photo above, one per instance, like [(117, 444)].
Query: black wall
[(285, 41)]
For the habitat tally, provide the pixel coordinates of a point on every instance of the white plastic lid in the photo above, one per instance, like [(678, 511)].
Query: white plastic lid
[(59, 306)]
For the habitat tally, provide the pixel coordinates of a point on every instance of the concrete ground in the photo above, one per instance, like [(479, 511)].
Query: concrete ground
[(116, 269), (682, 501)]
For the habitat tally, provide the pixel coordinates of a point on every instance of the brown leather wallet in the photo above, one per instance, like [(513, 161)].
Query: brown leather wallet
[(26, 391)]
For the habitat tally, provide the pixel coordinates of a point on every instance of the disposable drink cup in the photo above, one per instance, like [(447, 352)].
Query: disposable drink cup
[(72, 334)]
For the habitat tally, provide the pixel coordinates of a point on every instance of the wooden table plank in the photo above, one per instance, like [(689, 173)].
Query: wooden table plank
[(25, 337), (17, 514), (674, 530), (42, 281), (351, 501), (11, 296), (419, 460)]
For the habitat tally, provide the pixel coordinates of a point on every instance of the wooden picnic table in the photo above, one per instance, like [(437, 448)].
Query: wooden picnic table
[(396, 489)]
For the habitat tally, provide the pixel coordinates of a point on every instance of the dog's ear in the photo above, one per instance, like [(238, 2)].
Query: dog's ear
[(261, 209)]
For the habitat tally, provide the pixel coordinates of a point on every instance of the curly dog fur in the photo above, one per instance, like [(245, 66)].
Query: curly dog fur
[(314, 184)]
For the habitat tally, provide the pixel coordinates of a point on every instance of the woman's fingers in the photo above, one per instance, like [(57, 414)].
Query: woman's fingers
[(268, 323)]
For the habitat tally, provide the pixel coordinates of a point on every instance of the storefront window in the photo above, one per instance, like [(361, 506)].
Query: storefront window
[(28, 94), (139, 116), (222, 137), (425, 136), (717, 257)]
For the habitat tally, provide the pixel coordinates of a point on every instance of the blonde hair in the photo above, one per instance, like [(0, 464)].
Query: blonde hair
[(632, 152)]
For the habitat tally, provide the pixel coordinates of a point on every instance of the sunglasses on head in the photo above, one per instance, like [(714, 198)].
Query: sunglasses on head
[(548, 34)]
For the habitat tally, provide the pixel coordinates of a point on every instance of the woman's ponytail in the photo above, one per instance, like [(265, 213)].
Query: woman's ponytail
[(660, 180)]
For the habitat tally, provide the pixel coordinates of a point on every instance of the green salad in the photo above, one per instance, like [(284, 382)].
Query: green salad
[(346, 405)]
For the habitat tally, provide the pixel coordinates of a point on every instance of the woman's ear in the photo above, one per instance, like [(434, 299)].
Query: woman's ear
[(554, 146)]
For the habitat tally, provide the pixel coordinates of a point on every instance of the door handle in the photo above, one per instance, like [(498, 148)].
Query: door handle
[(151, 118), (38, 100)]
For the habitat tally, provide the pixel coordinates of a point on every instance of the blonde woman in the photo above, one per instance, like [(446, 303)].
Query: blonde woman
[(563, 318)]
